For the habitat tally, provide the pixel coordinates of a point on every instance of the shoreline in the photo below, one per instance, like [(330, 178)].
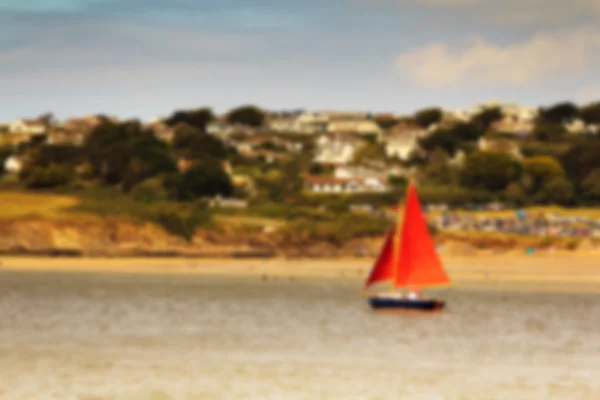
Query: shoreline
[(580, 273)]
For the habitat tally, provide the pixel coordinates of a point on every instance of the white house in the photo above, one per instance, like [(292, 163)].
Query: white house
[(403, 139), (500, 145), (333, 185), (27, 127), (363, 127), (337, 148), (13, 165), (307, 123)]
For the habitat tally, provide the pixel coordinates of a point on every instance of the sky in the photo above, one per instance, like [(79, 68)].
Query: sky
[(147, 58)]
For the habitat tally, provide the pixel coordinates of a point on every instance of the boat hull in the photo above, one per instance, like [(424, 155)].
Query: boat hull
[(406, 304)]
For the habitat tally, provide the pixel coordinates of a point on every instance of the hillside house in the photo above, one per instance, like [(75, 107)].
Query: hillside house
[(306, 123), (362, 127), (13, 164), (500, 145), (27, 127), (333, 185), (337, 149), (514, 126), (403, 139), (61, 136)]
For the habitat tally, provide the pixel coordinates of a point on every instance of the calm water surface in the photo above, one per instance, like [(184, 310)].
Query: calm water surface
[(93, 336)]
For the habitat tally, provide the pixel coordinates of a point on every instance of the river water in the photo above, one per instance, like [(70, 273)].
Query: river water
[(99, 336)]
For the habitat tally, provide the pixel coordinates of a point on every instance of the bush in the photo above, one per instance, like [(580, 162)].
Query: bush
[(47, 178), (150, 191), (178, 220)]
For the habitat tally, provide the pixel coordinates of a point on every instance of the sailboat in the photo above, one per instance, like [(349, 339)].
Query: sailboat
[(408, 259)]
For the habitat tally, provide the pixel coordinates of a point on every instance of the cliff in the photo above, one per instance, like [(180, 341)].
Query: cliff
[(98, 237)]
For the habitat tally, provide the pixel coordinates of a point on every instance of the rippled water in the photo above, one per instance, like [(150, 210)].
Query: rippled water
[(91, 337)]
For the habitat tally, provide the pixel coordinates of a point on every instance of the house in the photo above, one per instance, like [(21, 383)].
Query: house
[(402, 139), (363, 127), (221, 202), (58, 136), (162, 131), (27, 127), (514, 126), (13, 164), (458, 160), (306, 122), (576, 126), (357, 172), (333, 185), (500, 145), (338, 148)]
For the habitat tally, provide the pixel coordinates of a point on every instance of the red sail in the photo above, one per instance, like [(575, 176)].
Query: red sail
[(383, 270), (418, 263)]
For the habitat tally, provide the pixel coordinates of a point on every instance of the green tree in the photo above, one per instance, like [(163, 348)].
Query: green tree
[(205, 179), (590, 113), (428, 116), (194, 143), (558, 113), (49, 177), (486, 117), (368, 153), (438, 169), (580, 160), (440, 138), (549, 132), (541, 170), (590, 186), (515, 194), (466, 132), (558, 190), (489, 171), (198, 118), (246, 115)]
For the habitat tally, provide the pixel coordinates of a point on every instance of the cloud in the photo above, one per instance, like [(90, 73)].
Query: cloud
[(541, 58)]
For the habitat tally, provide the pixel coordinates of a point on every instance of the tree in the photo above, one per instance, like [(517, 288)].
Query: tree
[(558, 190), (515, 194), (466, 132), (547, 132), (49, 177), (541, 170), (590, 113), (489, 171), (205, 178), (438, 169), (198, 118), (428, 116), (590, 186), (440, 138), (558, 113), (486, 117), (580, 160), (194, 143), (122, 153), (368, 153), (246, 115)]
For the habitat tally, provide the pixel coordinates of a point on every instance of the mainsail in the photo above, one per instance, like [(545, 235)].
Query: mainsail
[(408, 256)]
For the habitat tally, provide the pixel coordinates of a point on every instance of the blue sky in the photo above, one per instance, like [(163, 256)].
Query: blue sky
[(144, 58)]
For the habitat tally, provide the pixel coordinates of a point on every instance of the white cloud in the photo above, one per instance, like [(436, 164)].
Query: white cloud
[(540, 58)]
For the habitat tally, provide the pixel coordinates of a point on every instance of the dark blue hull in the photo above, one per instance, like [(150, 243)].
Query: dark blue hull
[(406, 304)]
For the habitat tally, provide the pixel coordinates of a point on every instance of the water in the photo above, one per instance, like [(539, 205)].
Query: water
[(95, 337)]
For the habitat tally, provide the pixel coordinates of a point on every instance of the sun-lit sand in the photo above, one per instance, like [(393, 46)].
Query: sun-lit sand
[(574, 268)]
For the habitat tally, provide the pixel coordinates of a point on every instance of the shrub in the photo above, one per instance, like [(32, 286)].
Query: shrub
[(47, 177), (150, 191), (178, 220)]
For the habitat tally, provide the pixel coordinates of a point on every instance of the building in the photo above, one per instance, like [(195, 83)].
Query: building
[(337, 149), (333, 185), (307, 123), (363, 127), (13, 164), (27, 127), (402, 140), (500, 145)]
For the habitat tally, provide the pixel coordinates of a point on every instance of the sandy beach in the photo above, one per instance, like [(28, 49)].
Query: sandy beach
[(576, 269)]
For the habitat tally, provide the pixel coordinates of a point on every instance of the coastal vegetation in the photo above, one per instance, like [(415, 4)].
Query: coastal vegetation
[(124, 169)]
